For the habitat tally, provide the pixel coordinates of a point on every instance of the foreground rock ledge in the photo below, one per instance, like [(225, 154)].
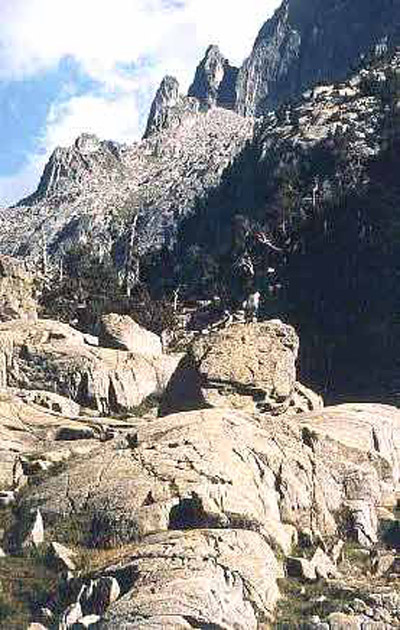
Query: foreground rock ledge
[(210, 501), (221, 468)]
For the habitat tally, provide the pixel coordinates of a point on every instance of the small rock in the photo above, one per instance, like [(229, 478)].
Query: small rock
[(34, 535), (70, 616), (301, 568), (99, 595), (7, 498), (2, 554), (36, 626), (62, 556), (89, 622)]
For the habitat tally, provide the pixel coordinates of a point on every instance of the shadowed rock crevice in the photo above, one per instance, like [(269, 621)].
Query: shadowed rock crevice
[(190, 514)]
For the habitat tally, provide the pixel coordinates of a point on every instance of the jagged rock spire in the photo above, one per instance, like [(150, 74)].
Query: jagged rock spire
[(167, 96), (215, 80), (168, 107)]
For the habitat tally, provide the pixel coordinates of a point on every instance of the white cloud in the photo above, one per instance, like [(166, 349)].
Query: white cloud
[(16, 187), (112, 119), (153, 37), (36, 34)]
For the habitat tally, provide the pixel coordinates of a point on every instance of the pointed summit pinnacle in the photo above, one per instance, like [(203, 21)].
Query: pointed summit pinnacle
[(215, 80)]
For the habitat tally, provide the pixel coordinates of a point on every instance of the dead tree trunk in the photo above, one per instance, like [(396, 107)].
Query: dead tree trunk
[(132, 264)]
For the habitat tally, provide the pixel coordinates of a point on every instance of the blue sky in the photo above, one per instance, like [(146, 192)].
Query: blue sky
[(70, 66)]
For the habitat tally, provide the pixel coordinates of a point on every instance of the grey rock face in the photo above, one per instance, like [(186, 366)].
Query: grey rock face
[(17, 299), (215, 80), (264, 73), (310, 41)]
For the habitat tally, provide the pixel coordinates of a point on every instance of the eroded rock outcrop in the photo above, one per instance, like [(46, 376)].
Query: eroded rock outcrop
[(17, 290), (228, 469), (169, 107), (220, 578), (49, 355)]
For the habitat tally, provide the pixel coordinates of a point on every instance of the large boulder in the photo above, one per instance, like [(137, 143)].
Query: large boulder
[(368, 483), (244, 366), (49, 355), (123, 333)]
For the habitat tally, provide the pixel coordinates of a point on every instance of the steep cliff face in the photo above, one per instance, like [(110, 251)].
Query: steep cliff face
[(312, 40), (205, 180)]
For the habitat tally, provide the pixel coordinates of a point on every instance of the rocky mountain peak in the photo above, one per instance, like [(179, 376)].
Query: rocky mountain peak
[(70, 168), (215, 80), (87, 143), (168, 107)]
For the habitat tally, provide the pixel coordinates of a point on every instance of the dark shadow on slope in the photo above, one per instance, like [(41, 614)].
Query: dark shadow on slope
[(340, 269)]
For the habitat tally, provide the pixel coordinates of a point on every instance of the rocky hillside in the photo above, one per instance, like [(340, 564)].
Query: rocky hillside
[(185, 207), (320, 179), (93, 191), (193, 478)]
